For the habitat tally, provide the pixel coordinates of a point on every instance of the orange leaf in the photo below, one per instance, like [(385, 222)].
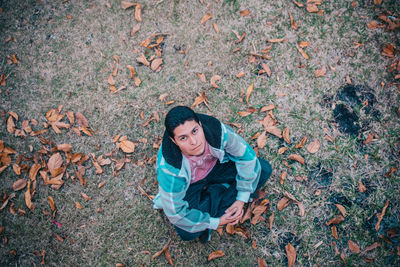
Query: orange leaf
[(126, 5), (28, 197), (282, 150), (261, 263), (361, 187), (245, 12), (19, 184), (167, 254), (137, 81), (215, 27), (292, 22), (283, 177), (135, 29), (298, 4), (142, 59), (341, 209), (81, 120), (111, 80), (304, 44), (320, 72), (348, 79), (10, 125), (132, 70), (3, 78), (302, 142), (240, 74), (286, 135), (392, 170), (380, 217), (334, 232), (266, 68), (156, 63), (214, 79), (202, 77), (314, 146), (297, 158), (291, 254), (127, 146), (205, 18), (78, 205), (100, 185), (86, 197), (267, 108), (262, 140), (353, 246), (338, 219), (138, 12), (278, 40), (64, 147), (33, 171), (216, 254), (283, 203), (302, 52), (55, 162), (249, 91), (51, 202)]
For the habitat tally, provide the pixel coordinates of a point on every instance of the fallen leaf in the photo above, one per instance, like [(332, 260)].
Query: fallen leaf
[(240, 74), (78, 205), (64, 147), (377, 2), (132, 70), (111, 80), (388, 50), (126, 5), (14, 59), (302, 52), (137, 82), (55, 162), (282, 150), (215, 255), (138, 12), (167, 254), (271, 221), (202, 77), (320, 72), (28, 197), (249, 91), (275, 131), (100, 185), (3, 78), (380, 216), (19, 184), (291, 254), (353, 246), (391, 171), (262, 140), (215, 27), (33, 171), (361, 187), (283, 203), (86, 197), (338, 219), (292, 22), (261, 263), (283, 177), (311, 7), (371, 247), (266, 69), (214, 79), (10, 125), (348, 79), (297, 158), (205, 18), (267, 108), (156, 63), (51, 203), (341, 209), (278, 40), (334, 232), (81, 120), (314, 146), (142, 59), (127, 146), (245, 12), (298, 4), (135, 29), (304, 44), (285, 135)]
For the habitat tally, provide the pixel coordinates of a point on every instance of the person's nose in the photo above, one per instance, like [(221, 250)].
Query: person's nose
[(192, 140)]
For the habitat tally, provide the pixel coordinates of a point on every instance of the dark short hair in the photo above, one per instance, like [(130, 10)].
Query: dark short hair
[(177, 116)]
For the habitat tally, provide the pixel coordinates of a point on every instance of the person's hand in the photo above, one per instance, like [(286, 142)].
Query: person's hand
[(236, 209), (230, 217)]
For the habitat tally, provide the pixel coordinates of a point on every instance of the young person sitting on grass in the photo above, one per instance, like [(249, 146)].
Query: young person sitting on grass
[(206, 173)]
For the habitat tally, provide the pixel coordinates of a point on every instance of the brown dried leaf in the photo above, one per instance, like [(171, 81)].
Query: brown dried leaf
[(314, 146), (202, 77), (380, 216), (33, 171), (86, 197), (81, 120), (19, 184), (282, 150), (54, 162), (249, 91), (261, 263), (334, 232), (392, 170), (245, 12), (278, 40), (283, 177), (266, 68), (111, 80), (64, 147), (78, 205), (216, 254), (216, 29), (10, 125), (205, 18), (28, 197), (126, 4), (137, 81), (283, 203), (135, 29), (297, 158), (292, 22), (262, 140), (138, 12), (341, 209), (267, 108), (214, 79), (132, 70), (338, 219), (353, 246), (51, 203), (298, 4), (156, 63), (361, 187), (320, 72), (142, 59), (302, 52), (127, 146), (285, 135), (291, 254)]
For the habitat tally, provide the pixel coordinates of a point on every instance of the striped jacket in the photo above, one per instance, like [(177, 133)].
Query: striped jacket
[(174, 173)]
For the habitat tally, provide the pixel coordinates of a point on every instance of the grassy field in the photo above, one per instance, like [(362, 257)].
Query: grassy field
[(64, 55)]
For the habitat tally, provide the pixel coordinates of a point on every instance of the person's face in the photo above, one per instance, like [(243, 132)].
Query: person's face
[(189, 137)]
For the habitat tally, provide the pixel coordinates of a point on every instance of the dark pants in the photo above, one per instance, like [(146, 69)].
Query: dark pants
[(217, 192)]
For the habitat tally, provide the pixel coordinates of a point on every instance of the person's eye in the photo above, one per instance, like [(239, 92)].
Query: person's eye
[(195, 130), (183, 138)]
